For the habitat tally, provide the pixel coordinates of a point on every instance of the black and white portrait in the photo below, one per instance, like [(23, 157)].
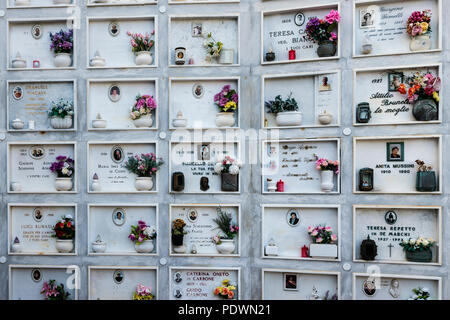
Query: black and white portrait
[(390, 217), (192, 215), (395, 151), (36, 31), (38, 215), (197, 29), (367, 18), (177, 277), (203, 152), (369, 288), (114, 29), (119, 217), (395, 79), (118, 276), (36, 275), (36, 152)]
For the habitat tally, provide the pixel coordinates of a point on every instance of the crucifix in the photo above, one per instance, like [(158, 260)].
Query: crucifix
[(390, 249)]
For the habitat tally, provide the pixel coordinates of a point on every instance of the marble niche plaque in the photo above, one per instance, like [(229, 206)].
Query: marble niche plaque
[(189, 32), (31, 100), (23, 35), (107, 160), (379, 89), (280, 284), (198, 283), (113, 100), (92, 3), (394, 287), (120, 282), (291, 236), (33, 226), (195, 160), (316, 94), (40, 4), (383, 25), (29, 166), (113, 224), (293, 162), (201, 228), (396, 173), (194, 97), (108, 37), (26, 281), (389, 226), (285, 30)]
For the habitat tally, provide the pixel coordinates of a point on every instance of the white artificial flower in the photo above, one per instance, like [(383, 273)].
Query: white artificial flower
[(218, 168), (412, 242), (425, 242), (425, 290), (234, 169), (69, 216), (149, 231), (65, 171)]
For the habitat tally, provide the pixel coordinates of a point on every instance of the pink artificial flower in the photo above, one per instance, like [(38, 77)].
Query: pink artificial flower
[(333, 237), (333, 16), (319, 240)]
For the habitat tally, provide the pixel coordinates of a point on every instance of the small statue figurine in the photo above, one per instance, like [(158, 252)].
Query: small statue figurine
[(394, 288), (204, 183)]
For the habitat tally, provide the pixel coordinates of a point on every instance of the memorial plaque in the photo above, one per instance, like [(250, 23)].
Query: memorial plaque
[(194, 97), (379, 88), (29, 166), (316, 94), (389, 226), (23, 35), (26, 281), (393, 160), (293, 163), (114, 46), (196, 161), (197, 283), (201, 228), (290, 237), (383, 25), (107, 160), (394, 286), (92, 3), (39, 4), (31, 100), (279, 284), (190, 33), (112, 222), (114, 113), (32, 226), (285, 30), (120, 282)]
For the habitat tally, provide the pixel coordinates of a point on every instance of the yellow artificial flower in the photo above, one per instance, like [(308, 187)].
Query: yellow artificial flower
[(424, 26), (436, 96), (230, 105), (225, 282)]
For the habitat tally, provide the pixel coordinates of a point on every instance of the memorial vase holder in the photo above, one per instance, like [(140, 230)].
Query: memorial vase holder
[(61, 123), (226, 56), (225, 119), (323, 251), (63, 184), (16, 247), (144, 183), (230, 182), (420, 43), (425, 110), (145, 121), (270, 56), (64, 245), (271, 250), (96, 186), (426, 181), (326, 48), (99, 247), (143, 58), (178, 181), (145, 246), (425, 255), (226, 246), (368, 249), (325, 118), (289, 118), (327, 184), (63, 60), (177, 240)]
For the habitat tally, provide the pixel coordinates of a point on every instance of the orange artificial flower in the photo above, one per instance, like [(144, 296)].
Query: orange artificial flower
[(230, 294), (402, 88)]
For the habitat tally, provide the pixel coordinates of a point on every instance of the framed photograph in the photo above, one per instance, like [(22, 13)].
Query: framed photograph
[(114, 29), (367, 18), (299, 19), (177, 277), (36, 275), (118, 276), (390, 217), (369, 288), (192, 215), (324, 84), (395, 151), (395, 79), (197, 29), (114, 93), (17, 93), (177, 293), (203, 152), (37, 215), (36, 31), (117, 154), (198, 91), (293, 218), (36, 152), (290, 282), (119, 216)]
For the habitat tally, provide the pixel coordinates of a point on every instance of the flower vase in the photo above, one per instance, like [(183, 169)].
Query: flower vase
[(143, 58), (61, 123), (63, 60), (145, 246), (145, 121), (144, 183), (327, 184), (426, 255), (63, 184), (420, 43), (324, 251), (226, 246), (289, 118), (225, 119), (64, 245), (230, 182), (326, 48), (425, 110), (426, 181)]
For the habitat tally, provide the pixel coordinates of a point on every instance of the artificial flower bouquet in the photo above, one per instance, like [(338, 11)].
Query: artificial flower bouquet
[(63, 167), (418, 23), (144, 105), (65, 229), (143, 293), (213, 48), (319, 30), (419, 244), (226, 290), (281, 105), (144, 165), (53, 291), (327, 165), (140, 42), (62, 41), (142, 232), (224, 223), (420, 294), (61, 108), (421, 86), (227, 99), (322, 234), (227, 165)]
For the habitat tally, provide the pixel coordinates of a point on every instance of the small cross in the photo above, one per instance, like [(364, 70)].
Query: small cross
[(390, 249)]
